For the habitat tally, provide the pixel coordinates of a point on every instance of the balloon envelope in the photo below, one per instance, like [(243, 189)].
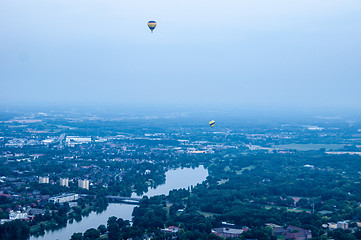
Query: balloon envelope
[(212, 123), (152, 25)]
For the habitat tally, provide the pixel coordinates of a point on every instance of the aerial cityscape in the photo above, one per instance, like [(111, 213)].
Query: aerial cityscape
[(262, 179), (180, 120)]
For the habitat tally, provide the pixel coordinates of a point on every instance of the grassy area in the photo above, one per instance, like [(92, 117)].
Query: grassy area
[(167, 208), (208, 214), (281, 237), (239, 172), (289, 209), (223, 181), (308, 147)]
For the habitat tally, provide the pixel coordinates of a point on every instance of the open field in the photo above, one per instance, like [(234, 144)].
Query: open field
[(245, 168), (289, 209), (308, 147), (208, 214)]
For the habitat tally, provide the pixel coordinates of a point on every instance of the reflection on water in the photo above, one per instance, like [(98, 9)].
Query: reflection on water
[(175, 179), (178, 178)]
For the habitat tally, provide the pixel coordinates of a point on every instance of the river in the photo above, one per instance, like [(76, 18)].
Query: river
[(175, 179)]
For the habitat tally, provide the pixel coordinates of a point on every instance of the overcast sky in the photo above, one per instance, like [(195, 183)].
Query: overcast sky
[(298, 53)]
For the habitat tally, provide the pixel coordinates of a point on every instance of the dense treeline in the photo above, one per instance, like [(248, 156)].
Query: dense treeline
[(256, 189), (14, 230)]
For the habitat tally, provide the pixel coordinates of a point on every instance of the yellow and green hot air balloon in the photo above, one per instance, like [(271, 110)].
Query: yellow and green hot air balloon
[(212, 123), (152, 25)]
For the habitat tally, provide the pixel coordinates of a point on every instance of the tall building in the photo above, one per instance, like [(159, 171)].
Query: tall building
[(83, 184), (64, 182), (43, 179)]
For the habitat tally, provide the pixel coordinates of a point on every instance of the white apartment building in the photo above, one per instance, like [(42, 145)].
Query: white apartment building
[(83, 184), (66, 197), (43, 179), (64, 182), (17, 215)]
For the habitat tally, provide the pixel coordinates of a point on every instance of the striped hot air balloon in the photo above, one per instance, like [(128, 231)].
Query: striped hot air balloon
[(152, 25), (212, 123)]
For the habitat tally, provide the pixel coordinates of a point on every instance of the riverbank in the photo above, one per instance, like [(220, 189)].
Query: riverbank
[(175, 179)]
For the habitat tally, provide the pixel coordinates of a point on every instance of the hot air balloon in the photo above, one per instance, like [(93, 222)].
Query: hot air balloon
[(212, 123), (152, 25)]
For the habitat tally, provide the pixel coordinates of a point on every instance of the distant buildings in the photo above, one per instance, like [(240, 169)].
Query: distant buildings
[(83, 184), (67, 197), (64, 182), (43, 179), (48, 141), (332, 225), (72, 140), (197, 152)]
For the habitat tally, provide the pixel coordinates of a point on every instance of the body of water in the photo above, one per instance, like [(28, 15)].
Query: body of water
[(175, 179)]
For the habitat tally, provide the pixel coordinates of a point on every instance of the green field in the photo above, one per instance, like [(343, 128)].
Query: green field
[(245, 168), (208, 214), (308, 147), (289, 209)]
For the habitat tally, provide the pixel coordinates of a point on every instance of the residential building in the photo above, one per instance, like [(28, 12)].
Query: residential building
[(66, 197), (73, 204), (83, 184), (171, 229), (36, 211), (227, 232), (292, 232), (64, 182), (17, 215), (43, 179), (342, 224)]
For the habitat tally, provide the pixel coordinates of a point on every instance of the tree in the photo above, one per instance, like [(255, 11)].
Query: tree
[(113, 228), (77, 236), (91, 233), (102, 229), (14, 230), (303, 203)]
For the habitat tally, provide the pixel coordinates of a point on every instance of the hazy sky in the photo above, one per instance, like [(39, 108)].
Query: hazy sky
[(295, 53)]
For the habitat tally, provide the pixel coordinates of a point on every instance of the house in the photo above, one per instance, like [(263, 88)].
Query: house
[(292, 232), (36, 211), (17, 215), (171, 229), (342, 224), (227, 232)]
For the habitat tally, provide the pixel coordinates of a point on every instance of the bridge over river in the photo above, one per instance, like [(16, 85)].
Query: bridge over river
[(129, 200)]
